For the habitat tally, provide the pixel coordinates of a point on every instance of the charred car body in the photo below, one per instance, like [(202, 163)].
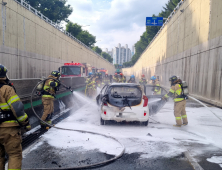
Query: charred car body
[(123, 102)]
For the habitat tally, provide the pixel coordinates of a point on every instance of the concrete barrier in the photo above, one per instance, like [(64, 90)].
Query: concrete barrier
[(189, 46)]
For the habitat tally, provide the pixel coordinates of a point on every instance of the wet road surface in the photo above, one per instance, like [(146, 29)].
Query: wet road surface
[(158, 146)]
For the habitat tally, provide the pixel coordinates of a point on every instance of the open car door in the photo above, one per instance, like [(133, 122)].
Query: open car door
[(155, 101)]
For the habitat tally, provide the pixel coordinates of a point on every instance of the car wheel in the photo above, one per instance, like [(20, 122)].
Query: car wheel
[(146, 123), (102, 122)]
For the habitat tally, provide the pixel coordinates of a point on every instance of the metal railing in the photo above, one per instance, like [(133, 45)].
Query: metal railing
[(55, 25)]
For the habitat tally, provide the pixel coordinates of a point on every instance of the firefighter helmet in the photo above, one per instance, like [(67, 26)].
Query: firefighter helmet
[(3, 71), (173, 78), (143, 75), (90, 73), (153, 78), (55, 73), (115, 73), (132, 76), (121, 74)]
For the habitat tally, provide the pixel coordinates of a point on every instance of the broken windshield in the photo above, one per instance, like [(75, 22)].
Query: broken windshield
[(126, 92)]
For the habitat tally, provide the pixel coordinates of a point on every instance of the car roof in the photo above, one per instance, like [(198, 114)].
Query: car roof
[(124, 84)]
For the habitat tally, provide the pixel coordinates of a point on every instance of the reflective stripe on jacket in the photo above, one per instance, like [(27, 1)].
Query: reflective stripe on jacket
[(175, 92), (50, 87), (10, 101), (157, 89), (143, 81)]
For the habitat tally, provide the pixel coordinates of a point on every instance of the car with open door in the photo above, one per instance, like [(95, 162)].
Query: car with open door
[(123, 102), (155, 100)]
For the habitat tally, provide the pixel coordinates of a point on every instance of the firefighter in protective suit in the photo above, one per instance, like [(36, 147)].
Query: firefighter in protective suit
[(50, 88), (132, 79), (106, 79), (122, 78), (155, 82), (12, 118), (115, 78), (179, 101), (99, 80), (91, 86), (88, 81), (143, 82)]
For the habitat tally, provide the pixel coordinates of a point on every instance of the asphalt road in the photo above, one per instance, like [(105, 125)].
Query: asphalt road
[(159, 146)]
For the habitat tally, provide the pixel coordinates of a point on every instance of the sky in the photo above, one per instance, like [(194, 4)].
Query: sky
[(114, 21)]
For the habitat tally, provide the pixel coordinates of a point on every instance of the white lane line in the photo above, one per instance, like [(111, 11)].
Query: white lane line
[(194, 163)]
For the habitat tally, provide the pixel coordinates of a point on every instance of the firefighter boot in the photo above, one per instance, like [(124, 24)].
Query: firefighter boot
[(176, 125)]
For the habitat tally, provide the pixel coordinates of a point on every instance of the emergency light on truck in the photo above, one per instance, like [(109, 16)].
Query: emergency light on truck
[(72, 64)]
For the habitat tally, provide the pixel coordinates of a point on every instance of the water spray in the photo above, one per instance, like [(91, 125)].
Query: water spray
[(205, 106), (81, 131)]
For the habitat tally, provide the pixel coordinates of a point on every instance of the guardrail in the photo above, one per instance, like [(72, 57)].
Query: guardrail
[(55, 25), (24, 87)]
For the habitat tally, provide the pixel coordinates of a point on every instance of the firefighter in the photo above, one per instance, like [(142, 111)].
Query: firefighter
[(89, 77), (132, 79), (115, 78), (12, 118), (156, 83), (91, 87), (106, 79), (179, 101), (50, 88), (88, 81), (122, 78), (99, 80), (143, 80)]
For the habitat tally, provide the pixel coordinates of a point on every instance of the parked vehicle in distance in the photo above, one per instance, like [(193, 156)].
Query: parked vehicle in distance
[(75, 69), (103, 71), (123, 102)]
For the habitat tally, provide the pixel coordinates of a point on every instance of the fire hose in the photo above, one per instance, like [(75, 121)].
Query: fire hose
[(206, 107), (81, 131)]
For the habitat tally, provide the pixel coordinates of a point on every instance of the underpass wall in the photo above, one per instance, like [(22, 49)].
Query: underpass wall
[(31, 47), (189, 46)]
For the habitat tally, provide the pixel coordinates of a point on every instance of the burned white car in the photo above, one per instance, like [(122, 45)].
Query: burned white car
[(123, 102)]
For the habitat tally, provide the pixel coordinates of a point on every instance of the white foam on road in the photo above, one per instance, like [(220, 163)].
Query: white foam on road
[(156, 140), (216, 159), (67, 139)]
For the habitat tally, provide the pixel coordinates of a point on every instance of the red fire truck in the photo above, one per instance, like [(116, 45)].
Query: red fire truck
[(103, 71), (75, 70)]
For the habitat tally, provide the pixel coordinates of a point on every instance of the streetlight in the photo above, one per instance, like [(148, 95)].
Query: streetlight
[(85, 25)]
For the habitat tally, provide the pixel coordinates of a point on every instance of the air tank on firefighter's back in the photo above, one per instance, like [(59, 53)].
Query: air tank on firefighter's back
[(185, 88)]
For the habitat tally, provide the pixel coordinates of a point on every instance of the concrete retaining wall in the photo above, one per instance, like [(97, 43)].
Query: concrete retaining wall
[(189, 46), (31, 48)]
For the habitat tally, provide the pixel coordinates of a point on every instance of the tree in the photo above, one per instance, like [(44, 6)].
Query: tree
[(82, 35), (150, 33), (55, 10), (107, 57), (87, 38), (97, 49), (73, 28)]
